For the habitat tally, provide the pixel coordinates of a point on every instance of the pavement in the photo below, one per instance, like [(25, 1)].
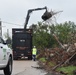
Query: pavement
[(27, 67)]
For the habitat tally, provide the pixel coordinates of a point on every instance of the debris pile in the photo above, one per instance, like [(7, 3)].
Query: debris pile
[(59, 56)]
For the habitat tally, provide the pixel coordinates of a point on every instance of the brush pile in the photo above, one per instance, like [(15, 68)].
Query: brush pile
[(60, 56)]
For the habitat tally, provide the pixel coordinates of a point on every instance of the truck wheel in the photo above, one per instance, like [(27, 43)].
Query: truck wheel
[(29, 57), (8, 68), (15, 58)]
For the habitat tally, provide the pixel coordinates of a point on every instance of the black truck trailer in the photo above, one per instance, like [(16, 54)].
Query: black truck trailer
[(22, 43), (22, 38)]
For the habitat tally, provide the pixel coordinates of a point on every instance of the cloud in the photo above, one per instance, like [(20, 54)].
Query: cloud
[(15, 11)]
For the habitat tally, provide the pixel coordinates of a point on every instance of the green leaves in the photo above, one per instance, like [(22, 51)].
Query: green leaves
[(42, 34)]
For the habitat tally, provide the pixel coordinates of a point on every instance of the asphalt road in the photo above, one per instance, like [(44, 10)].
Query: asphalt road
[(25, 67)]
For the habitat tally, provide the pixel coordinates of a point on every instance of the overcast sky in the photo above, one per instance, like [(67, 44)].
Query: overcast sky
[(15, 11)]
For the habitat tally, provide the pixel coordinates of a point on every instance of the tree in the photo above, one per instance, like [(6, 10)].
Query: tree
[(65, 30), (43, 38), (8, 40)]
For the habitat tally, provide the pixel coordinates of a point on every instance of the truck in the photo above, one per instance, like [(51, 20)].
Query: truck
[(22, 38), (22, 43), (6, 57)]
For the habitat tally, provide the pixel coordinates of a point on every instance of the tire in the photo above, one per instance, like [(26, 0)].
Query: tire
[(29, 57), (8, 69), (15, 58)]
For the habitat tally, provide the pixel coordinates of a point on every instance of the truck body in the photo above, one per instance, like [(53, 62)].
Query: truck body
[(22, 43), (22, 38), (6, 57)]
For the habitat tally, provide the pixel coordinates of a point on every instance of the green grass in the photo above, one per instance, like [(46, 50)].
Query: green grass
[(68, 69), (42, 59)]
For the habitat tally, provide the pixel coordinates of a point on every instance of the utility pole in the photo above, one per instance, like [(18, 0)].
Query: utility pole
[(0, 28), (7, 32)]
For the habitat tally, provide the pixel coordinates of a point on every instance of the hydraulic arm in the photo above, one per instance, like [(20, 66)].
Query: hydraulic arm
[(28, 15)]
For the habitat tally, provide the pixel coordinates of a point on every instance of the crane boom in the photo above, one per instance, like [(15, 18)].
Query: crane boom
[(28, 15)]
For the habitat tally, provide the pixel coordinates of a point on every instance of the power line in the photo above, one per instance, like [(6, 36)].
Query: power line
[(11, 23)]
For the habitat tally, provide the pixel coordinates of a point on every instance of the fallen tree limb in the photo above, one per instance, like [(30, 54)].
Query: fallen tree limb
[(57, 66), (69, 58), (64, 62), (58, 41)]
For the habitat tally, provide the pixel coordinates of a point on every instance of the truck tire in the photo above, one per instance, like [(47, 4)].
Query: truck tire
[(29, 57), (15, 58), (8, 69)]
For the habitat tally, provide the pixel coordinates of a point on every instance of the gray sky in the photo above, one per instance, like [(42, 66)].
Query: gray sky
[(15, 11)]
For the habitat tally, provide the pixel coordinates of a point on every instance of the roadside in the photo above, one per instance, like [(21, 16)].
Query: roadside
[(27, 67), (57, 60)]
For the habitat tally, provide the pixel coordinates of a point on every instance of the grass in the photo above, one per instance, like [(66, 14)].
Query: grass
[(68, 69), (42, 59)]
